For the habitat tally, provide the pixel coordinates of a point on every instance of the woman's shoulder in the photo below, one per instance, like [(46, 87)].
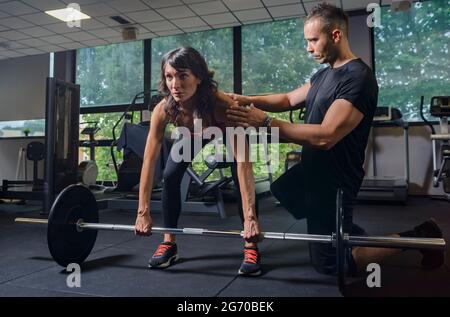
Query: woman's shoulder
[(223, 102), (159, 111)]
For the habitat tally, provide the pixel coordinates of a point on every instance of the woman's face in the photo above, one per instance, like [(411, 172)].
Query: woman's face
[(181, 83)]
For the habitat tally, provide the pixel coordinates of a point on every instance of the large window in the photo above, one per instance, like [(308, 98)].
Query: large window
[(216, 46), (22, 128), (274, 57), (275, 60), (110, 74), (412, 55)]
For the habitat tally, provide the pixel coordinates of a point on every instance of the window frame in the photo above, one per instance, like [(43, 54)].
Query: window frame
[(237, 70), (114, 107), (432, 121)]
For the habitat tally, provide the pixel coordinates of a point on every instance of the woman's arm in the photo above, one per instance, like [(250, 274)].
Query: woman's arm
[(247, 188), (151, 154), (245, 177), (244, 170)]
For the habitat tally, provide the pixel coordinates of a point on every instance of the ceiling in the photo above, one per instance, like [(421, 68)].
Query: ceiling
[(26, 30)]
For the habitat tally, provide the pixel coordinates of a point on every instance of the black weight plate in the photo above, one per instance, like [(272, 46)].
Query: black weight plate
[(65, 242), (340, 247)]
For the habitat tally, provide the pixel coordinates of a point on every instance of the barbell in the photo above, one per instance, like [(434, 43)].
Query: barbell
[(73, 224)]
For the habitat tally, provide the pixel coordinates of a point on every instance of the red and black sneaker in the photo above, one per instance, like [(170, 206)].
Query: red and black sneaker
[(251, 264), (164, 256)]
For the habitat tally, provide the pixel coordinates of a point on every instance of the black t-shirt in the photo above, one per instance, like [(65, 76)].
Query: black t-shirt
[(342, 165)]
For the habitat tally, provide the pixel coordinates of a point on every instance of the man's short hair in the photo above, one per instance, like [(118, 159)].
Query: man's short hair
[(332, 17)]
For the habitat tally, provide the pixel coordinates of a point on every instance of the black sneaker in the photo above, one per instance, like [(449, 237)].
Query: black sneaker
[(164, 256), (251, 264), (432, 259)]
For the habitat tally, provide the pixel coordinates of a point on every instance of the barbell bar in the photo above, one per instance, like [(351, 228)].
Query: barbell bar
[(73, 224), (367, 241)]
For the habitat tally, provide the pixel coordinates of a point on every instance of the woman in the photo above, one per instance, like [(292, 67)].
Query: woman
[(191, 93)]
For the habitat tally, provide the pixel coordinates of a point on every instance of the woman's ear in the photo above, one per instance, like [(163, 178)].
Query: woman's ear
[(199, 81)]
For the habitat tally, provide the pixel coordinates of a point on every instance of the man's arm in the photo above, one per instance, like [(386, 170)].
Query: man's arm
[(341, 118), (276, 102)]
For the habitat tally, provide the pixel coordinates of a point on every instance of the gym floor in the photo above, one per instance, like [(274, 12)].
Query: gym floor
[(208, 266)]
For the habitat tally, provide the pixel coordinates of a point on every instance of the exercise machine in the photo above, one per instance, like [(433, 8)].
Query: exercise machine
[(387, 188), (88, 169), (197, 193), (62, 117), (61, 146), (440, 108), (34, 152)]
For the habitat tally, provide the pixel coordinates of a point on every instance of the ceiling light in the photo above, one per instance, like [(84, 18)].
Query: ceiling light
[(68, 14)]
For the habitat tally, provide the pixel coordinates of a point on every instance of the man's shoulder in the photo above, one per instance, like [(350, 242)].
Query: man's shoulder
[(321, 70), (358, 71), (319, 73), (358, 66)]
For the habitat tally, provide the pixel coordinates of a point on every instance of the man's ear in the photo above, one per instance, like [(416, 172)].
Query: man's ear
[(336, 35)]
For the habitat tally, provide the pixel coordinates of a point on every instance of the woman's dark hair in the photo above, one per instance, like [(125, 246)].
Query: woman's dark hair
[(189, 58)]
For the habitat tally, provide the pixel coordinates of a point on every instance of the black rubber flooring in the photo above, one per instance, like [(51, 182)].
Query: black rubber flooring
[(208, 266)]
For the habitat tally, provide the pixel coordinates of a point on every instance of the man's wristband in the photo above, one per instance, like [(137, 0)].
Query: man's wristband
[(267, 121)]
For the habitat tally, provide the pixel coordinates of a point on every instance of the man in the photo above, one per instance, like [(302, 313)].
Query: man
[(340, 102)]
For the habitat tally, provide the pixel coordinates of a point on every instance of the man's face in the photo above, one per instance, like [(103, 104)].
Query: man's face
[(320, 45)]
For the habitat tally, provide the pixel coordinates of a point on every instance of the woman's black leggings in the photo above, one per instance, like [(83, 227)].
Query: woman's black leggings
[(173, 175)]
